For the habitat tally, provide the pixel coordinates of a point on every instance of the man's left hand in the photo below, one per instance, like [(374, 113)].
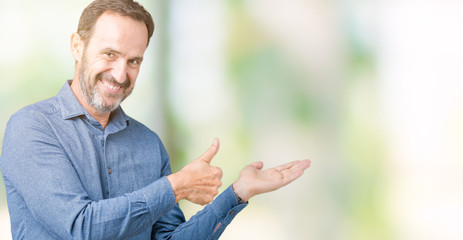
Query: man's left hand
[(253, 180)]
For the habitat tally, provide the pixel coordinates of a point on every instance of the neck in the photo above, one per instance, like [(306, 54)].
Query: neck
[(102, 118)]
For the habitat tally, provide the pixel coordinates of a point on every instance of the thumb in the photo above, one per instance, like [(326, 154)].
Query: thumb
[(210, 153), (259, 165)]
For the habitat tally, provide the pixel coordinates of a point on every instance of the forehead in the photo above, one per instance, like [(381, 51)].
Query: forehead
[(120, 32)]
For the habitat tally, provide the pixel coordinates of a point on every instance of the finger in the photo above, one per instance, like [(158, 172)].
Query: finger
[(287, 165), (210, 153), (218, 172), (306, 163), (295, 171), (300, 166), (259, 165)]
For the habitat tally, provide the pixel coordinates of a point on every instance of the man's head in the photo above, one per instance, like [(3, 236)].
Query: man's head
[(127, 8), (108, 48)]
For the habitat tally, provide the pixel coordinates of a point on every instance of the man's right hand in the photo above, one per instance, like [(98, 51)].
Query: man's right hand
[(198, 182)]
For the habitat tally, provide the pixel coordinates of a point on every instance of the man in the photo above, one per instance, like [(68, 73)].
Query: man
[(77, 167)]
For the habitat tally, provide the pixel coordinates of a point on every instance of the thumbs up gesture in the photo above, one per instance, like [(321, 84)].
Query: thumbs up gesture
[(198, 182)]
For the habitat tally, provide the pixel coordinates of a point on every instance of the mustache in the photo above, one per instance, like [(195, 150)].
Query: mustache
[(108, 77)]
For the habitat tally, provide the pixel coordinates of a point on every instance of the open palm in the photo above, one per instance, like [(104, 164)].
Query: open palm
[(253, 180)]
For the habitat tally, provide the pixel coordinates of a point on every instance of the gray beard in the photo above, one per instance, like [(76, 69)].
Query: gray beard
[(94, 98)]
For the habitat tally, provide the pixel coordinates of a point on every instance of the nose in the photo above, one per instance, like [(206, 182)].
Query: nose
[(119, 71)]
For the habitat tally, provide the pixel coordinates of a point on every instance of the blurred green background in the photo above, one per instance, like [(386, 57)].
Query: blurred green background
[(370, 91)]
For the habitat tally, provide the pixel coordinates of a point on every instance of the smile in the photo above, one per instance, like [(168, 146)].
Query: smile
[(110, 86)]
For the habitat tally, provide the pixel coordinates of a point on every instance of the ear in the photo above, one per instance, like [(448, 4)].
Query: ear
[(77, 47)]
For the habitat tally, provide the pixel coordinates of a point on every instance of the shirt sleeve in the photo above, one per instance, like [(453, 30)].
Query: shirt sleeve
[(208, 223), (43, 178)]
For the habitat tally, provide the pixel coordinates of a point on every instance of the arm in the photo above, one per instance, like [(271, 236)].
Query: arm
[(208, 223), (44, 180), (215, 217), (198, 182)]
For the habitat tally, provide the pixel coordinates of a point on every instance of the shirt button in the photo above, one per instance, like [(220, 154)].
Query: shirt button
[(232, 212), (110, 171)]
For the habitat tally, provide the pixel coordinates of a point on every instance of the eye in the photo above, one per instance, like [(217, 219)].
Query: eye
[(135, 62), (109, 54)]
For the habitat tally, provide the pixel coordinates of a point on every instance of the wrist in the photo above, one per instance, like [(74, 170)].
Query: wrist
[(240, 194), (176, 186)]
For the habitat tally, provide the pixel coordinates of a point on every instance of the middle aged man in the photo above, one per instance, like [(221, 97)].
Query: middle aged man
[(77, 167)]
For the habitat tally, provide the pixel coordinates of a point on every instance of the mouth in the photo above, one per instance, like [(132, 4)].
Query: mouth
[(110, 87)]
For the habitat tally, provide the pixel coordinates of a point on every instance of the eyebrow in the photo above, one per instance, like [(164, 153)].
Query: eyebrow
[(140, 59), (109, 50)]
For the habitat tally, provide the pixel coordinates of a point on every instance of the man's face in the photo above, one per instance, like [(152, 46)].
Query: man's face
[(111, 61)]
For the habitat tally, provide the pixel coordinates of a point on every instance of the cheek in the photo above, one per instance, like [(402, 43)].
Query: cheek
[(132, 77), (98, 67)]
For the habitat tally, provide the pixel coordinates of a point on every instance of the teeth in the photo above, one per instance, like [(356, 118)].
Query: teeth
[(110, 86)]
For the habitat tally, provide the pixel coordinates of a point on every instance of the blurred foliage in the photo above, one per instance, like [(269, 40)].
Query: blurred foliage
[(269, 88)]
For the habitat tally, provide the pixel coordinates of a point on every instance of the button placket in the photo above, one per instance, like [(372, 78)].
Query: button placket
[(107, 164)]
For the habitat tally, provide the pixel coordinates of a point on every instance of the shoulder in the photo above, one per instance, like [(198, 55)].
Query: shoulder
[(38, 110), (26, 130), (35, 111), (32, 120)]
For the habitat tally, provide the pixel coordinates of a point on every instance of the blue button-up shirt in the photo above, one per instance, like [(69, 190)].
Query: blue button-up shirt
[(67, 178)]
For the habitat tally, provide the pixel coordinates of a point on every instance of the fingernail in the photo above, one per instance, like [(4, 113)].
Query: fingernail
[(216, 141)]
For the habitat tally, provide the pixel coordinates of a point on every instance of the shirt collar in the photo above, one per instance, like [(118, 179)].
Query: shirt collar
[(71, 107), (118, 121)]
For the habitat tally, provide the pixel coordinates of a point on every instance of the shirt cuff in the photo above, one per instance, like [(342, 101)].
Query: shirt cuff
[(160, 197), (225, 207)]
